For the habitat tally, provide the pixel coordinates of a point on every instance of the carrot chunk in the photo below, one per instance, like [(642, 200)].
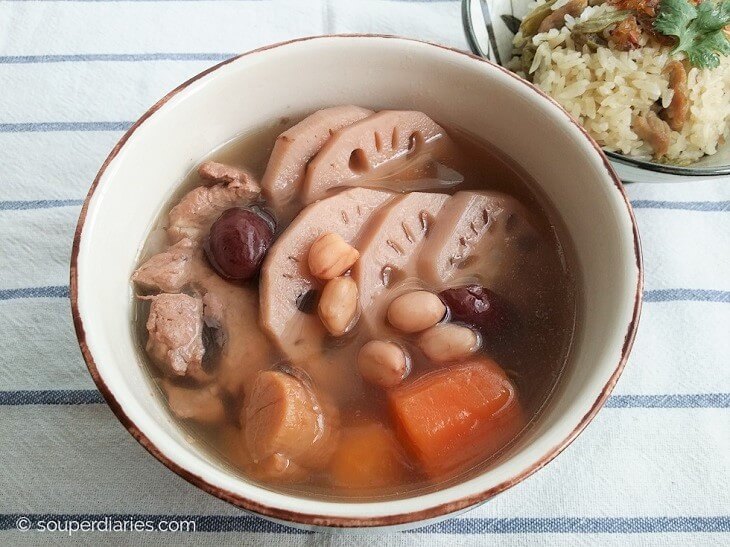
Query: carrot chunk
[(368, 456), (457, 417)]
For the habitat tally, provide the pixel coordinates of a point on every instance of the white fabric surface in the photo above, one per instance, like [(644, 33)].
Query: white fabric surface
[(653, 468)]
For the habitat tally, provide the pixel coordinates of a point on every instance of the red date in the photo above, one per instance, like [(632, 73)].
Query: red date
[(238, 242), (479, 307)]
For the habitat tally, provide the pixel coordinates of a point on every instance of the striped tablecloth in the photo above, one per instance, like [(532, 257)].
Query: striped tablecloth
[(652, 469)]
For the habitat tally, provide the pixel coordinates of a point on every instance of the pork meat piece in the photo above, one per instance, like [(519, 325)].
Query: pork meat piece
[(168, 271), (199, 208), (653, 131), (227, 174), (677, 112), (175, 328)]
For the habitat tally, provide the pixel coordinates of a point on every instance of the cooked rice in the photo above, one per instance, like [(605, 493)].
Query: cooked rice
[(606, 88)]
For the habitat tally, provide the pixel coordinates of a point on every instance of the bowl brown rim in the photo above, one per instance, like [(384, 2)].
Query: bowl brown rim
[(308, 519)]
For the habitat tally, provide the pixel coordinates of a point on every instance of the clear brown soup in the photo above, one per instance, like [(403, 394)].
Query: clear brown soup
[(370, 456)]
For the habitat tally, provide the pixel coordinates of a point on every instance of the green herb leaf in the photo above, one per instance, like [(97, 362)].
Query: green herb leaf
[(531, 22), (699, 29), (674, 17), (599, 23), (705, 54), (712, 17)]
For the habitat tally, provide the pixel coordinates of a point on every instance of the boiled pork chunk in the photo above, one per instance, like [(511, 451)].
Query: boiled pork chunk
[(168, 271), (371, 148), (228, 174), (175, 335), (193, 216), (296, 146), (389, 249)]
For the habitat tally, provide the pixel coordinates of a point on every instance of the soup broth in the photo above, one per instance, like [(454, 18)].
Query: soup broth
[(226, 372)]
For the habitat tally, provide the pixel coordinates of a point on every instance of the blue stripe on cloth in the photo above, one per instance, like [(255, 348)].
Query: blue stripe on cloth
[(456, 526), (686, 295), (573, 525), (682, 205), (659, 295), (51, 397), (38, 204), (55, 291), (92, 396), (45, 127), (698, 400), (112, 57)]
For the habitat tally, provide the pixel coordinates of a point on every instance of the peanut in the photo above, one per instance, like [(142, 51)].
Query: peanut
[(331, 256), (416, 311), (448, 342), (383, 364), (338, 305)]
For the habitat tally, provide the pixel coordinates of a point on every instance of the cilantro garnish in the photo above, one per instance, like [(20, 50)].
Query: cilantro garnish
[(699, 29)]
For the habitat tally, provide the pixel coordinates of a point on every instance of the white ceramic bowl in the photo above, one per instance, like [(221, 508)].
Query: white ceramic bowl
[(239, 95)]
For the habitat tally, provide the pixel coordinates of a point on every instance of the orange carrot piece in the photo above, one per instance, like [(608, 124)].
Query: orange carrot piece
[(368, 456), (458, 416)]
